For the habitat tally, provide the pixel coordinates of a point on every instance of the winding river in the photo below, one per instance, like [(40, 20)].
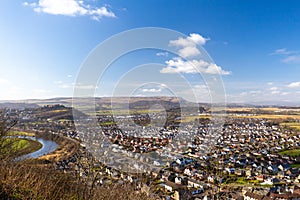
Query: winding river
[(48, 147)]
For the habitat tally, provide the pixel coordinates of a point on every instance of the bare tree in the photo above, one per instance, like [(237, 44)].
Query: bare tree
[(6, 123)]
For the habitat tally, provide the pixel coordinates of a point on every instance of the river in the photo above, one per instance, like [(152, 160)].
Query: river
[(48, 147)]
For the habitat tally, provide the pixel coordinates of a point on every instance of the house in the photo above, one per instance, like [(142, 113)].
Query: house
[(297, 179), (169, 186), (252, 196), (166, 186), (187, 171), (249, 172), (182, 194), (178, 180), (210, 179), (260, 177), (284, 167), (198, 191), (194, 183), (271, 181), (293, 172), (181, 180), (230, 170), (285, 196), (132, 179), (240, 172), (273, 168), (108, 170), (281, 174), (172, 177)]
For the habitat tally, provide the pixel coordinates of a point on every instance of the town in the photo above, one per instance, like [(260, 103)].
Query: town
[(247, 158)]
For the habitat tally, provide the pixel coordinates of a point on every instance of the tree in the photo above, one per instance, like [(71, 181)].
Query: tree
[(6, 123)]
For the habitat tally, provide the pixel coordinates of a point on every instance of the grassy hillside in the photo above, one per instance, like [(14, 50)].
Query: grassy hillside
[(14, 147)]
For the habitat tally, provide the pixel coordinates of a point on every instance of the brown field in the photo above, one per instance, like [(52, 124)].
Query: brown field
[(268, 116), (294, 125), (273, 109), (67, 147)]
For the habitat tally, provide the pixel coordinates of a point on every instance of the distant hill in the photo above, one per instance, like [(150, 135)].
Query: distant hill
[(18, 105), (57, 112), (133, 102)]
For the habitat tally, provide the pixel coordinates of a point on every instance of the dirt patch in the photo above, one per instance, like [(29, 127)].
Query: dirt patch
[(66, 148)]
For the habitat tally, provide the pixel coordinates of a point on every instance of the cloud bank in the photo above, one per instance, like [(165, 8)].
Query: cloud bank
[(70, 8), (187, 49)]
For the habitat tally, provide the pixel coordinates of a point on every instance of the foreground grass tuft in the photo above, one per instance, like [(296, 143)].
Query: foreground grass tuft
[(27, 180)]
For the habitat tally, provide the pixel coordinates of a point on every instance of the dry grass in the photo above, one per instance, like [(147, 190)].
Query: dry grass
[(271, 109), (32, 180), (66, 148), (294, 125), (187, 119), (242, 109), (25, 180), (268, 116)]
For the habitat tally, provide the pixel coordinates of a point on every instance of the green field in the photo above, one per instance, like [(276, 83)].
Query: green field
[(15, 133), (243, 181), (127, 111), (291, 152), (234, 180), (295, 165), (17, 146)]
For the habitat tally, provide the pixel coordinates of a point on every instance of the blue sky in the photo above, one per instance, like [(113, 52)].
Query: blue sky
[(44, 43)]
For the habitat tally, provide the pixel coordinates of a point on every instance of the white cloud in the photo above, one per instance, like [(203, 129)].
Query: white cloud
[(156, 88), (255, 92), (191, 40), (162, 85), (152, 90), (288, 56), (29, 4), (162, 53), (187, 48), (177, 65), (202, 89), (273, 88), (57, 82), (80, 86), (282, 51), (188, 45), (258, 93), (294, 85), (63, 85), (85, 87), (275, 92), (285, 93), (189, 51), (292, 59), (70, 8)]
